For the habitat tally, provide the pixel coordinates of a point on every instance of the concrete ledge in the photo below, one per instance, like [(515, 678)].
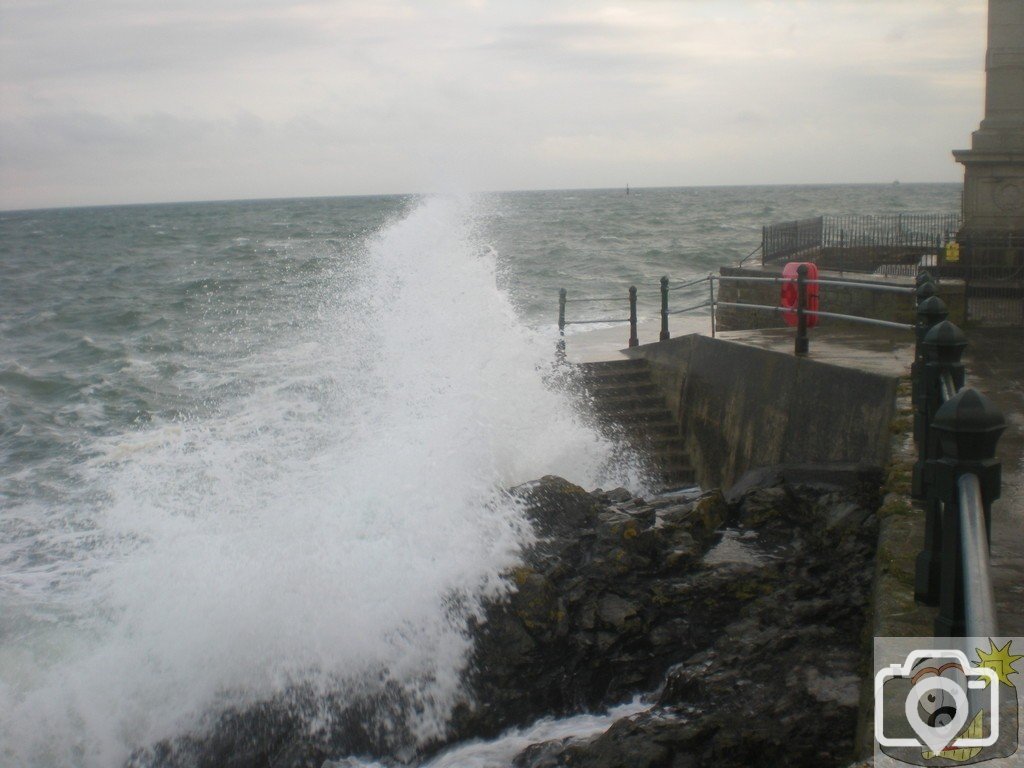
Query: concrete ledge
[(741, 407)]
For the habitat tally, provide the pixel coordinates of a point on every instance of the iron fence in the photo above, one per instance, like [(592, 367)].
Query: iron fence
[(992, 269), (904, 230), (788, 238), (859, 243)]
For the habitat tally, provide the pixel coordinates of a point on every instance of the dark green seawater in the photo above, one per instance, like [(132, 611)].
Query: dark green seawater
[(248, 445)]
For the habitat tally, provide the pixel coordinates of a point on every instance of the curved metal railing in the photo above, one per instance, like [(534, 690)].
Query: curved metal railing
[(956, 478), (563, 300)]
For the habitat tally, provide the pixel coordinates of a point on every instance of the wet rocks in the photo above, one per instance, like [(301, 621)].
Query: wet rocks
[(596, 615), (755, 654), (743, 614)]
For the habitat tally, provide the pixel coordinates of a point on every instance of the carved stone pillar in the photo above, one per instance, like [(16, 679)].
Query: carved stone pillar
[(994, 166)]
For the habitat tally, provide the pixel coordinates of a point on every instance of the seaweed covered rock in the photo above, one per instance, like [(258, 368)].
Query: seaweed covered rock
[(595, 616), (768, 669)]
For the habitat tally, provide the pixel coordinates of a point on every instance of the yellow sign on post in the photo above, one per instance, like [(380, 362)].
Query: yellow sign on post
[(953, 251)]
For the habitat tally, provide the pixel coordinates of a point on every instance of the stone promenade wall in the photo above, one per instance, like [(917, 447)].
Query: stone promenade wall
[(741, 407)]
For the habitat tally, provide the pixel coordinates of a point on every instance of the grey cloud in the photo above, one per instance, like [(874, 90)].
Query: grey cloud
[(63, 136), (129, 48), (571, 46)]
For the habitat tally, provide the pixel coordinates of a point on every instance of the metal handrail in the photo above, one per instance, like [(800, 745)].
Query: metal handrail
[(690, 308), (746, 258), (851, 283), (979, 598), (691, 283), (866, 285), (562, 322), (947, 387), (957, 477), (794, 310), (859, 319), (710, 279)]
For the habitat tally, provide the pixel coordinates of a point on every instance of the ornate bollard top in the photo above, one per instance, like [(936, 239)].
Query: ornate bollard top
[(925, 291), (944, 343), (969, 427), (931, 311)]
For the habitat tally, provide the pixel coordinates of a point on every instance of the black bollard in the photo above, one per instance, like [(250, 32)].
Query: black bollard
[(943, 347), (664, 310), (560, 346), (925, 291), (930, 313), (802, 343), (633, 340), (968, 427)]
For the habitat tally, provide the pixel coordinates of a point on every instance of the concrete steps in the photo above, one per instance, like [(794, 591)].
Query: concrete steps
[(625, 400)]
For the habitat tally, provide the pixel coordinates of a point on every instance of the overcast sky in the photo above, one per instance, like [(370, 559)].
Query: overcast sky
[(120, 101)]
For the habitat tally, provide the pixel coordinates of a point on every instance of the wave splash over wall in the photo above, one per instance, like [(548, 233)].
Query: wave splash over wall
[(332, 524)]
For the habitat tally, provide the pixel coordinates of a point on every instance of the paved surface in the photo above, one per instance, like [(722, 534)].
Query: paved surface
[(995, 367)]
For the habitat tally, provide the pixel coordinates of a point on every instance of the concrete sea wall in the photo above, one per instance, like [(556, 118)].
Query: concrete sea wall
[(741, 407)]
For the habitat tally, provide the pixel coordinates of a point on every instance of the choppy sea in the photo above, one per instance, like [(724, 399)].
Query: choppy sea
[(246, 445)]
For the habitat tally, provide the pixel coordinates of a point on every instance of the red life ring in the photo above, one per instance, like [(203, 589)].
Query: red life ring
[(789, 297)]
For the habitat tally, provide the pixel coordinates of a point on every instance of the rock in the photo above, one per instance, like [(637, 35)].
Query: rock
[(619, 495), (766, 653), (615, 611)]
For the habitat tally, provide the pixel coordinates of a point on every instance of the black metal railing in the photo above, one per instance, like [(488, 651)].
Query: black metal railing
[(983, 257), (803, 312), (956, 476), (859, 243), (692, 288), (909, 230), (991, 266), (630, 299), (786, 239)]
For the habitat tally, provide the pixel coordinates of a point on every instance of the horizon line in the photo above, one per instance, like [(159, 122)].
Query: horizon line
[(212, 201)]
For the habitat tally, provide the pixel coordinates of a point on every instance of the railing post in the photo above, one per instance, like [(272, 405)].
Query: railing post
[(802, 343), (942, 347), (560, 346), (930, 312), (969, 427), (922, 279), (925, 291), (711, 289), (633, 340), (664, 309)]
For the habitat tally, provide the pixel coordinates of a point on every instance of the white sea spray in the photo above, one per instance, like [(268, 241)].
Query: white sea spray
[(335, 521)]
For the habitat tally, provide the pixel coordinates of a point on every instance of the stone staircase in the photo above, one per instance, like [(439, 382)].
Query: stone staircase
[(627, 403)]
